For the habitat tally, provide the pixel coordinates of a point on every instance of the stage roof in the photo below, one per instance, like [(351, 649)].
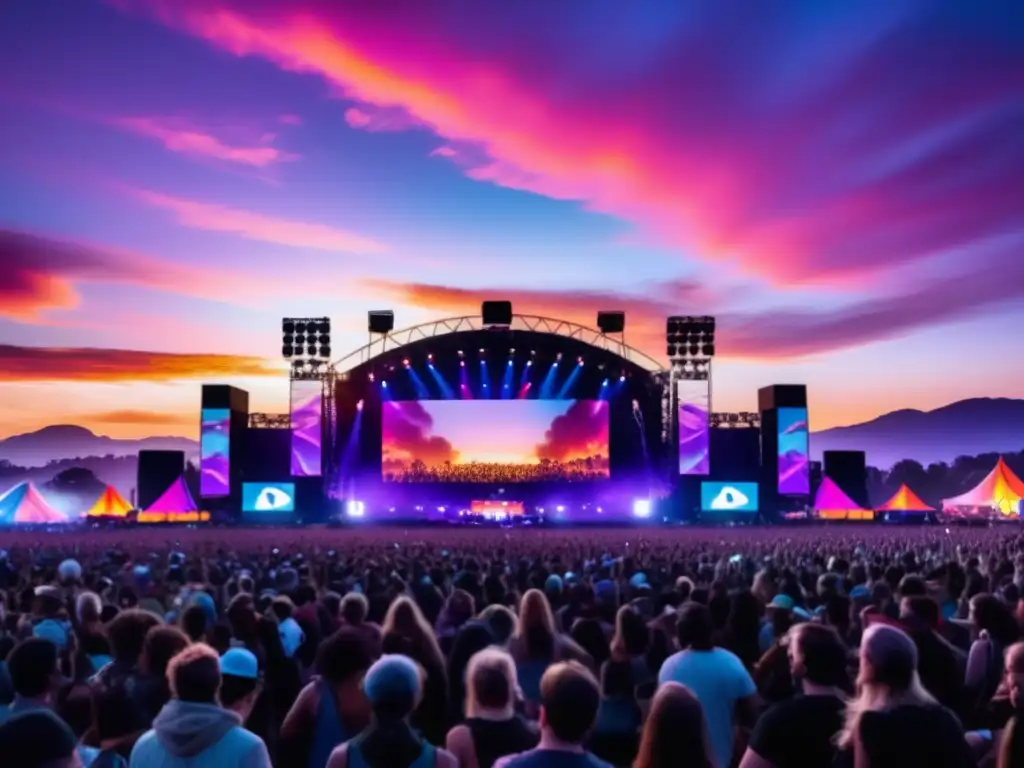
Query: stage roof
[(1000, 489), (905, 500)]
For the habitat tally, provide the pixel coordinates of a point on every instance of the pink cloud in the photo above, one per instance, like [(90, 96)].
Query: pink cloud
[(258, 226), (180, 137), (821, 178), (377, 120)]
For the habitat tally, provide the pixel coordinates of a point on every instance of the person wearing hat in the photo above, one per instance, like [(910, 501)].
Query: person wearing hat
[(393, 686), (193, 730)]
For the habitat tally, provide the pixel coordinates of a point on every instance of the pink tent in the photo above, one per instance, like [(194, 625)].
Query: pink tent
[(175, 500), (25, 505), (831, 503), (1000, 490)]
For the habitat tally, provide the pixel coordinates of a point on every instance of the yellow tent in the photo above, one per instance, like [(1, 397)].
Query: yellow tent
[(110, 504)]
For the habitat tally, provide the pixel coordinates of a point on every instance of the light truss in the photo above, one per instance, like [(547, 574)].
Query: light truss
[(382, 343), (270, 421), (741, 420)]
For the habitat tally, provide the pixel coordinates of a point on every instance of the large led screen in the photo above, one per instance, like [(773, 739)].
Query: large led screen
[(270, 498), (494, 441), (728, 497), (694, 444), (794, 453), (215, 453), (307, 428)]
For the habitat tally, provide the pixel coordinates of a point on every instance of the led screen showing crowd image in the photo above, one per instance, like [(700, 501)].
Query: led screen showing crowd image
[(794, 453), (494, 441), (728, 497), (307, 428), (215, 453), (694, 443), (268, 498)]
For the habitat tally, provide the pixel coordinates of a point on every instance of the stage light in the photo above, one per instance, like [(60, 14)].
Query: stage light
[(430, 357), (559, 508), (483, 351), (384, 384), (462, 363), (405, 362), (441, 509), (642, 508), (510, 362), (359, 405), (558, 356), (604, 383), (461, 353), (622, 378), (529, 363), (355, 509), (512, 351), (579, 361), (371, 377)]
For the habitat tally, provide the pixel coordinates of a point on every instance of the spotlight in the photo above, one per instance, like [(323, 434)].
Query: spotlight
[(430, 357), (579, 361), (558, 356), (622, 378), (359, 405), (405, 362), (642, 508), (462, 363), (559, 508), (529, 363), (371, 377), (355, 509), (441, 509), (533, 352), (604, 383), (512, 351), (461, 353), (384, 384), (483, 351), (510, 362)]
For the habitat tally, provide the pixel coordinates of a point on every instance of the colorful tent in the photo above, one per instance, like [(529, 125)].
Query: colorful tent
[(110, 504), (23, 504), (905, 500), (831, 503), (1000, 490), (175, 505)]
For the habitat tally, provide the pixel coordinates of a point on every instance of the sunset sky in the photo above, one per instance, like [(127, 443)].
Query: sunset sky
[(839, 183)]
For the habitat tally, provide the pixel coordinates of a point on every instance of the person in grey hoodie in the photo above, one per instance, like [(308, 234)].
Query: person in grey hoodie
[(193, 730)]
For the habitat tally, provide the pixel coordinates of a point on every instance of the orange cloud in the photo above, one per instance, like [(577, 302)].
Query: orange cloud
[(24, 364), (141, 417), (179, 137), (257, 226)]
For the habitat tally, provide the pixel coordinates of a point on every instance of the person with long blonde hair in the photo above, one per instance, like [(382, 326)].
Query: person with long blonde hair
[(492, 728), (406, 631), (536, 644), (676, 732), (894, 722)]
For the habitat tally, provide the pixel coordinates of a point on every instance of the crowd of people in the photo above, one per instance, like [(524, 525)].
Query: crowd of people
[(575, 470), (381, 648)]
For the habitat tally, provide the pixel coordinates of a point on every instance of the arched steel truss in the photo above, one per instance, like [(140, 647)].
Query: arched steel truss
[(382, 344)]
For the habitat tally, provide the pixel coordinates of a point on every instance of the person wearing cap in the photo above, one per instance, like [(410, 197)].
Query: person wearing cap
[(193, 730), (240, 681), (393, 686)]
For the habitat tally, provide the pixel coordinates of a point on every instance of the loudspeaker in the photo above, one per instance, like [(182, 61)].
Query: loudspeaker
[(381, 321), (611, 322), (156, 471), (497, 312)]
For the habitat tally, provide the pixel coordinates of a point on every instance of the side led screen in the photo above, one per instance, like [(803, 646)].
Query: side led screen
[(215, 453), (794, 453), (728, 497), (307, 428), (494, 441), (694, 445), (270, 498)]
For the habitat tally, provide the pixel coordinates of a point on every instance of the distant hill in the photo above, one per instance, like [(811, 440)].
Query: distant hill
[(62, 442), (964, 428)]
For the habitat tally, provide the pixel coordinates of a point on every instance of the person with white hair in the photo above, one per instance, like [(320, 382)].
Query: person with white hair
[(894, 722)]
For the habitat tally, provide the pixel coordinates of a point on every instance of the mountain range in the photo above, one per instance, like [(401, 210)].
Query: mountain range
[(967, 427), (63, 441), (964, 428)]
